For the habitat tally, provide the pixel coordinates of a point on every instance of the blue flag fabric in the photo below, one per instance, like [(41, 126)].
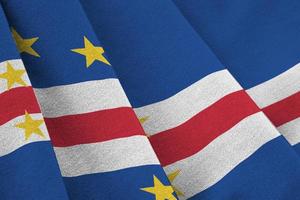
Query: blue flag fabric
[(259, 44), (154, 100), (28, 167)]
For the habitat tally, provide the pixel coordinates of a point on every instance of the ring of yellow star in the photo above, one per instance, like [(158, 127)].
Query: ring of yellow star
[(161, 191), (24, 45), (91, 53), (13, 76), (31, 126), (171, 178)]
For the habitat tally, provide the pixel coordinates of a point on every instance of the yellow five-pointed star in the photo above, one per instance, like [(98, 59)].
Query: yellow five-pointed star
[(31, 126), (24, 45), (91, 53), (161, 191), (172, 177), (13, 76), (143, 119)]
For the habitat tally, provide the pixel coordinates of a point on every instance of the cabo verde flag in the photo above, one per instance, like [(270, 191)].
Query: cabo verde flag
[(261, 52), (208, 132), (149, 100), (100, 147)]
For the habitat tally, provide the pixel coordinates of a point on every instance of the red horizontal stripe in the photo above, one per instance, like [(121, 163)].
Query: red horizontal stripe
[(93, 127), (192, 136), (285, 110), (14, 102)]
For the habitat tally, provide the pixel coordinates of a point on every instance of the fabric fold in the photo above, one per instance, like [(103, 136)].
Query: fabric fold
[(28, 166), (209, 135), (102, 150), (259, 44)]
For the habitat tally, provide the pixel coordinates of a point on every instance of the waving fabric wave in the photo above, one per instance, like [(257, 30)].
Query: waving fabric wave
[(154, 100)]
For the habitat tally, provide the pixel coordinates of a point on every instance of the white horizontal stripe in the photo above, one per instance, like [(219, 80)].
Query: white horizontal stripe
[(105, 156), (17, 64), (12, 138), (277, 88), (291, 131), (212, 163), (179, 108), (81, 97)]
